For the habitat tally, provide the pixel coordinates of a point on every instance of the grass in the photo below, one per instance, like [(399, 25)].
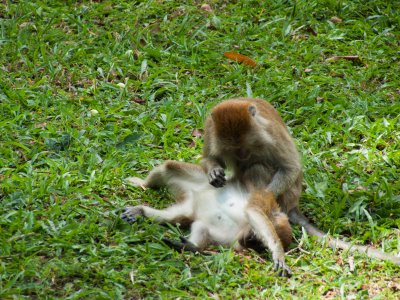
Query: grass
[(93, 92)]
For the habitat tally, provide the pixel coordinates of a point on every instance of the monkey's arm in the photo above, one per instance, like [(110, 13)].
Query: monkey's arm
[(288, 170), (212, 164), (296, 217)]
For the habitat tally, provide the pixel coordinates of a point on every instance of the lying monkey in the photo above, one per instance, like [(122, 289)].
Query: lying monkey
[(221, 216)]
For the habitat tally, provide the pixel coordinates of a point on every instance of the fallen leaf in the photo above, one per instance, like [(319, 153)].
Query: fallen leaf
[(240, 58), (197, 132), (41, 125), (209, 25), (299, 37), (351, 264), (309, 29), (192, 144), (354, 58), (139, 100), (93, 112), (206, 7), (331, 294), (336, 20)]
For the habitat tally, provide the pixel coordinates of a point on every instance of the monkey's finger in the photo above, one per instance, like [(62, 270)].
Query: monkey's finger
[(218, 182), (218, 172)]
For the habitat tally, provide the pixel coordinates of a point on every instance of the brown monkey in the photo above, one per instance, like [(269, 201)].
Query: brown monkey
[(249, 137), (226, 216)]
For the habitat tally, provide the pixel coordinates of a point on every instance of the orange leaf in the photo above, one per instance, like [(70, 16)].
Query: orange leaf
[(240, 58)]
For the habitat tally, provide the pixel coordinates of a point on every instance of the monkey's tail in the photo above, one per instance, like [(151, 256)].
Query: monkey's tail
[(296, 217)]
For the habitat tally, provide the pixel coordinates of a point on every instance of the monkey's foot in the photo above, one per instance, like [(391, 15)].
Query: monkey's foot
[(136, 181), (216, 177), (282, 269), (183, 245), (131, 213)]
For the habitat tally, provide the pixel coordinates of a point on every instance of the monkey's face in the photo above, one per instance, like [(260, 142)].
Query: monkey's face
[(233, 122)]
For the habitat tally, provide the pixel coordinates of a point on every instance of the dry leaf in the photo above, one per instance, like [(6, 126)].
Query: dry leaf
[(40, 125), (192, 144), (197, 132), (206, 7), (336, 20), (309, 29), (351, 264), (299, 37), (354, 58), (331, 294), (139, 100), (240, 58)]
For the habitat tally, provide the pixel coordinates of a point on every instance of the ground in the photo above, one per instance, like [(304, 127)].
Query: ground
[(93, 92)]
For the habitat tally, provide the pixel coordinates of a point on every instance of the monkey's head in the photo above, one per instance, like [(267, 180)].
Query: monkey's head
[(233, 120)]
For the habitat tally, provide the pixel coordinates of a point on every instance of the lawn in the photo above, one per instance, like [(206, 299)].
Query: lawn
[(92, 92)]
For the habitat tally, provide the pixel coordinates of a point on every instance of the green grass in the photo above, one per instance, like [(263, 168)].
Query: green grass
[(93, 92)]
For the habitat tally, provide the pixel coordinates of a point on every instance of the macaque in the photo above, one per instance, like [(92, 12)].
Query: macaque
[(248, 137), (232, 215)]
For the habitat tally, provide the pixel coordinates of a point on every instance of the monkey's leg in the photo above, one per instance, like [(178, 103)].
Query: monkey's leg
[(265, 231), (290, 198), (178, 213), (175, 175), (199, 234), (198, 240)]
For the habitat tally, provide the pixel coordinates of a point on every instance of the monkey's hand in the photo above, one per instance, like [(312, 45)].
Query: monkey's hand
[(216, 177), (282, 269), (131, 213)]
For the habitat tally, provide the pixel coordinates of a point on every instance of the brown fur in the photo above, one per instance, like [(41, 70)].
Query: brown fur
[(266, 148), (226, 117)]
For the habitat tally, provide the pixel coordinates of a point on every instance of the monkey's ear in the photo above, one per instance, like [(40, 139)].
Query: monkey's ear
[(252, 110)]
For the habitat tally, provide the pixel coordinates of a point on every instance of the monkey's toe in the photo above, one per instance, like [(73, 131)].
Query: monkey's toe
[(282, 269), (130, 214), (129, 218)]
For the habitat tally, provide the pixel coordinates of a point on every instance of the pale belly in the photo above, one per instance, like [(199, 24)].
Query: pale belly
[(222, 210)]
